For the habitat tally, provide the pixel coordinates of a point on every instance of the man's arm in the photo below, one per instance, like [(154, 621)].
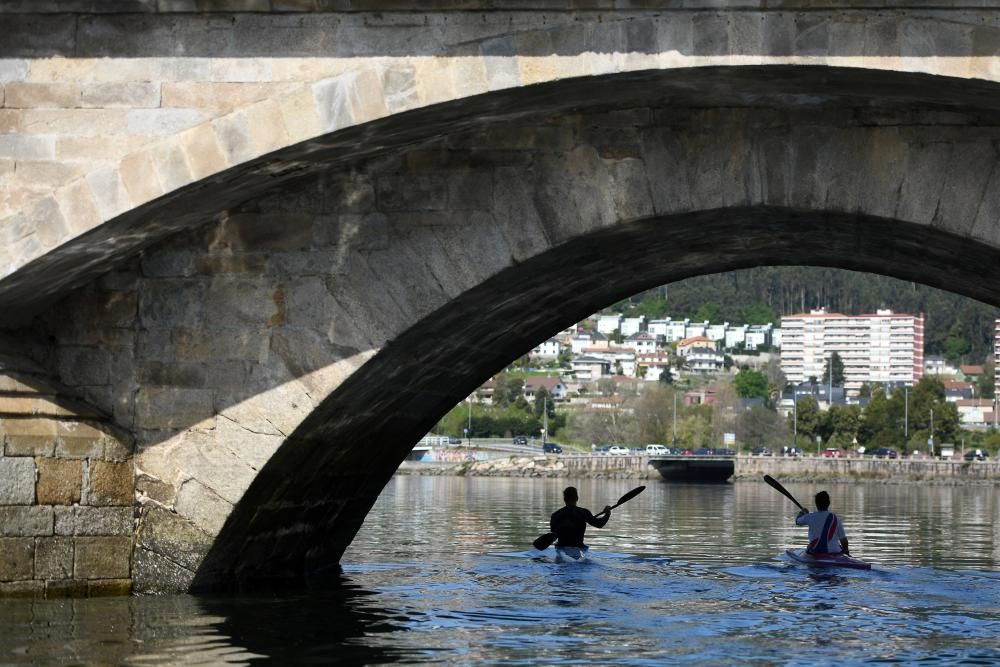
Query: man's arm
[(599, 523), (843, 546), (800, 520)]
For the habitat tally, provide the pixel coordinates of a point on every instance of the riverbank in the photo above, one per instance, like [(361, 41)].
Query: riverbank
[(793, 469)]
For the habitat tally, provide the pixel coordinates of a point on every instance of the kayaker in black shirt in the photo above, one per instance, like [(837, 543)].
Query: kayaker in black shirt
[(570, 523)]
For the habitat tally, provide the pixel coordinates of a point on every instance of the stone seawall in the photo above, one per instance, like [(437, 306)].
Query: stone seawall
[(747, 467), (66, 492)]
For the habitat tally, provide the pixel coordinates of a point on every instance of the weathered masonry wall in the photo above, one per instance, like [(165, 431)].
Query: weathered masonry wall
[(747, 468), (66, 492)]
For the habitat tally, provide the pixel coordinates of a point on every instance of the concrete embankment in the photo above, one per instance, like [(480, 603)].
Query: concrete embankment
[(813, 469)]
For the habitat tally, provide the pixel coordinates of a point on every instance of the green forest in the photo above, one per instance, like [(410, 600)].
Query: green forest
[(956, 327)]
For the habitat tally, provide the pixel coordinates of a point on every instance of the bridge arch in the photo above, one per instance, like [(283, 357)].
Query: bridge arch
[(283, 360)]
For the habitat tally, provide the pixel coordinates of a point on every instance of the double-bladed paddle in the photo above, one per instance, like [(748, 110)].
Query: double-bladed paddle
[(545, 541), (783, 491)]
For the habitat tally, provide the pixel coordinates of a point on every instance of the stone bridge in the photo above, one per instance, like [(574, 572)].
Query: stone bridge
[(250, 256)]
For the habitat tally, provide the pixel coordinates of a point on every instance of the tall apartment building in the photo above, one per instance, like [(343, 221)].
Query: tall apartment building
[(878, 348), (996, 358)]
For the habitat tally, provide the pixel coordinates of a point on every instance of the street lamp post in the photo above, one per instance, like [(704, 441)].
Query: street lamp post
[(468, 430)]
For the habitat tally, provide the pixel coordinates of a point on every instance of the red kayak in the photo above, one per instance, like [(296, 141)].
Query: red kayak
[(827, 560)]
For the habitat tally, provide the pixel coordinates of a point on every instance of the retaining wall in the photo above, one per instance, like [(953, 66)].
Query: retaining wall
[(66, 492)]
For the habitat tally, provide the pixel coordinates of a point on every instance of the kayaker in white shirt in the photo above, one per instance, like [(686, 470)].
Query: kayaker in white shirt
[(826, 532)]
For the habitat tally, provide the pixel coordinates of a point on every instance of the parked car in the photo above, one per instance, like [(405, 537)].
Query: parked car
[(703, 451), (832, 453), (454, 441), (520, 439), (791, 451), (657, 450), (882, 453), (551, 448), (618, 450), (760, 451), (724, 451), (977, 455)]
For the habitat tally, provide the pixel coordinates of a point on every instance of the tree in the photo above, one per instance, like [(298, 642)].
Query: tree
[(759, 427), (654, 414), (955, 344), (707, 312), (544, 403), (838, 370), (507, 389), (758, 313), (667, 376), (807, 415), (750, 384)]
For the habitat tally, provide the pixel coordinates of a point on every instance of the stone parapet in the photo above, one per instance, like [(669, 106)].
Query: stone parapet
[(66, 493)]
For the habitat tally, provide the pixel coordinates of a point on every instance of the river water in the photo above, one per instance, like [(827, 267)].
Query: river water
[(443, 572)]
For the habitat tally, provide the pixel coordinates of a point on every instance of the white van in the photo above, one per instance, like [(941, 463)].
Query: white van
[(656, 450)]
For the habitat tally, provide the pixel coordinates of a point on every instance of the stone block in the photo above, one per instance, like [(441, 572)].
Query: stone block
[(125, 94), (17, 480), (267, 127), (23, 95), (171, 165), (233, 133), (12, 69), (168, 534), (203, 151), (28, 437), (53, 558), (75, 122), (111, 483), (300, 115), (102, 557), (26, 521), (173, 304), (104, 521), (155, 573), (84, 365), (173, 407), (22, 589), (17, 558), (162, 122), (78, 207), (109, 192), (26, 147), (139, 177), (108, 587), (203, 506), (69, 588), (59, 481), (238, 302), (79, 440), (44, 174)]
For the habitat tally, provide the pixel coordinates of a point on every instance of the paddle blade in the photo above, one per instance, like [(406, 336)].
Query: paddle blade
[(630, 495), (772, 482), (543, 542)]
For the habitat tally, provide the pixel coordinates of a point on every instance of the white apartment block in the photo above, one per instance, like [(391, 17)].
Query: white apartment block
[(609, 323), (658, 327), (675, 330), (996, 359), (550, 349), (717, 332), (759, 334), (736, 335), (881, 347), (632, 325)]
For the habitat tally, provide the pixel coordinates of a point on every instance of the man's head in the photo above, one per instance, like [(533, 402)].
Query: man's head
[(822, 501), (570, 495)]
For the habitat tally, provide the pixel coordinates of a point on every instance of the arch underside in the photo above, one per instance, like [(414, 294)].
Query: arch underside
[(308, 502)]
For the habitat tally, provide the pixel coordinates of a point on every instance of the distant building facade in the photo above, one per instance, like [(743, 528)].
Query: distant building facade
[(875, 348)]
